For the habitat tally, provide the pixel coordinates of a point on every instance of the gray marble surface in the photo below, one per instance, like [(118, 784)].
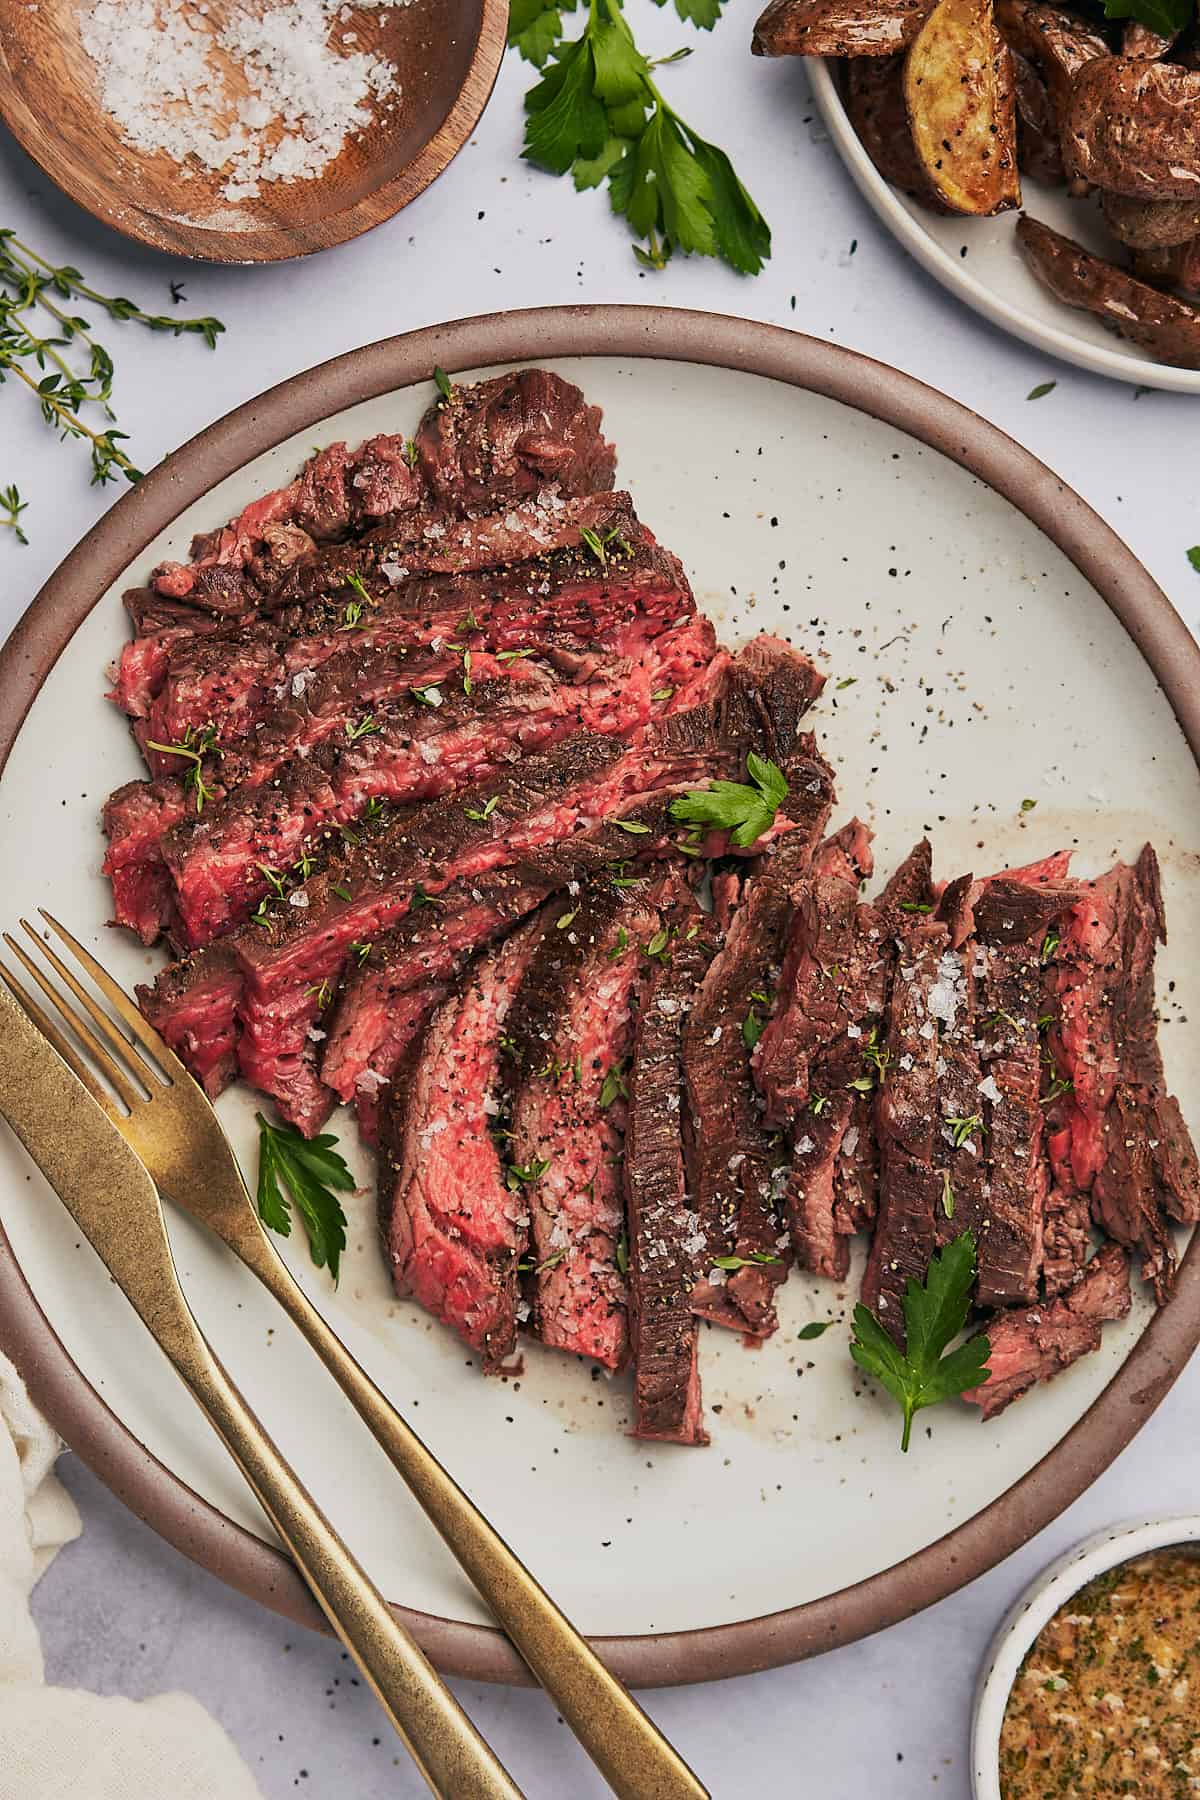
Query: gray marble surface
[(119, 1611)]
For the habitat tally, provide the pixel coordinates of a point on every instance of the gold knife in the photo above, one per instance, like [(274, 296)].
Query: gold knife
[(115, 1204)]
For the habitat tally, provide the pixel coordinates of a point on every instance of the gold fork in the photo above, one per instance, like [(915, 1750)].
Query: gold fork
[(112, 1199), (171, 1125)]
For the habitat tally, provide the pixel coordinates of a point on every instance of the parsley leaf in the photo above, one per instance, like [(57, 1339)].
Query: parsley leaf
[(814, 1329), (598, 113), (1193, 557), (312, 1172), (703, 13), (733, 806), (534, 28), (1167, 17), (934, 1314)]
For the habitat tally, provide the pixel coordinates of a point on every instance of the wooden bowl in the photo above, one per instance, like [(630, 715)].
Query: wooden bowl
[(446, 54)]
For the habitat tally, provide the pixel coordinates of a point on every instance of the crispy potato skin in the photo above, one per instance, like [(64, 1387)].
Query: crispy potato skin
[(1151, 224), (1057, 45), (875, 107), (838, 27), (959, 91), (1133, 127), (1175, 267), (1166, 328), (1138, 40), (1039, 153)]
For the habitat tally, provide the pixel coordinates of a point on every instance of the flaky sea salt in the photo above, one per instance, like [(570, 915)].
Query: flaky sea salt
[(265, 96)]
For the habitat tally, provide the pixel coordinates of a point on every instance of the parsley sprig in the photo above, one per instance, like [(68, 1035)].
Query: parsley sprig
[(598, 113), (744, 810), (307, 1173), (934, 1313), (64, 367)]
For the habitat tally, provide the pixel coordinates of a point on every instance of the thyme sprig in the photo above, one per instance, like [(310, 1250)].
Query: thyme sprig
[(12, 506), (64, 367)]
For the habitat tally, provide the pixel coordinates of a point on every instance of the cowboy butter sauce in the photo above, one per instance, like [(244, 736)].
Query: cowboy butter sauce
[(1107, 1701)]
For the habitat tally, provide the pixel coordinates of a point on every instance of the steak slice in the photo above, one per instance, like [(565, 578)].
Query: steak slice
[(567, 1047), (1012, 919), (821, 983), (818, 1051), (1035, 1343), (194, 1005), (664, 1236), (370, 1027), (453, 1227), (1125, 1135), (494, 442), (911, 1188), (728, 1148), (410, 751), (958, 1143)]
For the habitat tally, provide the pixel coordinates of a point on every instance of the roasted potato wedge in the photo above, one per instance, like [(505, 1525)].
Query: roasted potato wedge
[(1055, 43), (1165, 327), (839, 27), (1039, 153), (959, 91), (1177, 267), (875, 107), (1140, 41), (1134, 127), (1151, 224)]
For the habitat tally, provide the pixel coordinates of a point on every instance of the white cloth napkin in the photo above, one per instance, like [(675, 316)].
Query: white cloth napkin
[(61, 1742)]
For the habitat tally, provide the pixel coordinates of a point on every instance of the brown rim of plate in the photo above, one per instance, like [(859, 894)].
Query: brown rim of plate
[(270, 243), (147, 1487)]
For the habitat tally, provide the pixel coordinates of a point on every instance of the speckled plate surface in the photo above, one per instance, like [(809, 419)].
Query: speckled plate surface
[(975, 664), (979, 262)]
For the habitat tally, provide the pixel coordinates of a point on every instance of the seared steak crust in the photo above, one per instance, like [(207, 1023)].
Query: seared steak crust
[(663, 1236), (728, 1146), (910, 1189)]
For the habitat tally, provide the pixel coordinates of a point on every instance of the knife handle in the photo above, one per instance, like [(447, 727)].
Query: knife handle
[(631, 1753), (455, 1761)]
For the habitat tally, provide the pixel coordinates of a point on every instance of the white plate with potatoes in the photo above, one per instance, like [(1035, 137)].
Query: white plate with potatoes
[(978, 258)]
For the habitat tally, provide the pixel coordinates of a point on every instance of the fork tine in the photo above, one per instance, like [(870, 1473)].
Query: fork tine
[(109, 1067), (54, 1036), (119, 1000)]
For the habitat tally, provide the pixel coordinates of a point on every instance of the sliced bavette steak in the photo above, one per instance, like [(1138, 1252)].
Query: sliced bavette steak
[(664, 1237), (453, 1228), (820, 988), (562, 600), (1035, 1343), (567, 1049), (411, 751), (372, 1023), (1012, 920), (289, 961), (494, 442), (728, 1146), (1117, 1133), (815, 1054), (906, 1112)]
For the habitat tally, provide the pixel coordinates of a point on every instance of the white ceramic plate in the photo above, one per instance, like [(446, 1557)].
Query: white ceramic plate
[(986, 671), (978, 259)]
